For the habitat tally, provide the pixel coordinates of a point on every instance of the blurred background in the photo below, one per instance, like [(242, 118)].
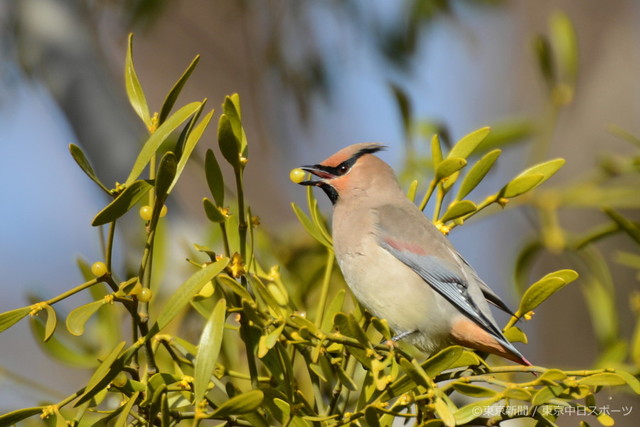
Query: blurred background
[(314, 77)]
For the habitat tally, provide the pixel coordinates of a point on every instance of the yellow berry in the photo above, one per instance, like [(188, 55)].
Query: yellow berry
[(163, 211), (145, 212), (99, 269), (120, 380), (145, 295), (297, 175)]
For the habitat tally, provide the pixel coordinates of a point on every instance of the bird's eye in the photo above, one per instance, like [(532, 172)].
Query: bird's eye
[(342, 169)]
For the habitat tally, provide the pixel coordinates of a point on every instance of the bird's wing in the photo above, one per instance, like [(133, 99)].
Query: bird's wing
[(488, 293), (427, 252)]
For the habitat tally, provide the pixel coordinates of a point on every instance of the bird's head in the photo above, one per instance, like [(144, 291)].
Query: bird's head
[(351, 172)]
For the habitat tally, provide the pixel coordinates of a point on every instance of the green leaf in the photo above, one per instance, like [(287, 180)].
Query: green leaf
[(473, 410), (79, 316), (81, 160), (564, 47), (214, 177), (123, 203), (60, 350), (544, 288), (507, 133), (311, 228), (194, 136), (625, 224), (442, 360), (521, 185), (436, 151), (545, 62), (158, 137), (477, 173), (413, 188), (228, 282), (603, 379), (631, 380), (51, 323), (100, 374), (228, 142), (209, 349), (10, 318), (13, 417), (212, 212), (443, 411), (473, 390), (458, 209), (126, 409), (448, 167), (605, 419), (134, 90), (468, 143), (334, 307), (172, 96), (240, 404), (231, 107), (164, 178), (515, 334), (186, 291), (531, 178)]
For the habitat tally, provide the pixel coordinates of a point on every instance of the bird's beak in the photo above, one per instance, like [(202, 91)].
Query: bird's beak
[(319, 171)]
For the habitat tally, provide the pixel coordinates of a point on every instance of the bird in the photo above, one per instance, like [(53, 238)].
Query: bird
[(398, 265)]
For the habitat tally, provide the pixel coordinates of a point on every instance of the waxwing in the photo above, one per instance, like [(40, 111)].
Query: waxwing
[(399, 265)]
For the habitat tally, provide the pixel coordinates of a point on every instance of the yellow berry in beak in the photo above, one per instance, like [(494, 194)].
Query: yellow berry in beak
[(297, 175)]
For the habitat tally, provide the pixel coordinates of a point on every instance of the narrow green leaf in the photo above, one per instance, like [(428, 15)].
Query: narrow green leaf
[(192, 140), (123, 203), (212, 212), (83, 162), (621, 133), (442, 360), (449, 166), (334, 307), (62, 350), (625, 224), (166, 173), (172, 96), (473, 410), (158, 137), (372, 417), (532, 177), (632, 381), (413, 189), (544, 288), (13, 417), (51, 323), (515, 334), (545, 62), (468, 143), (134, 90), (603, 379), (10, 318), (209, 349), (240, 404), (228, 282), (231, 107), (310, 226), (605, 419), (186, 291), (100, 373), (126, 409), (228, 142), (79, 316), (564, 47), (214, 177), (436, 151), (521, 185), (477, 173), (445, 414), (458, 209), (473, 390)]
